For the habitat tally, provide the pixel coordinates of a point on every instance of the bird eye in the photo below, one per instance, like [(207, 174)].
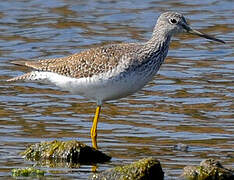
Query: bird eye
[(173, 21)]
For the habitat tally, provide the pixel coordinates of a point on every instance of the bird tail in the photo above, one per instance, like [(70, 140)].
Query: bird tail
[(20, 63), (23, 77), (31, 76)]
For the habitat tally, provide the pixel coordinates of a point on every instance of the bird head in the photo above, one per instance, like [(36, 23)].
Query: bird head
[(174, 23)]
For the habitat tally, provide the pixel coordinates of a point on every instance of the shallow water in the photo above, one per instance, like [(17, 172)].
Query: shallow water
[(190, 101)]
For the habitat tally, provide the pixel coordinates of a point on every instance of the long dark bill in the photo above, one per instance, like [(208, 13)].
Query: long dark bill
[(192, 31), (201, 34)]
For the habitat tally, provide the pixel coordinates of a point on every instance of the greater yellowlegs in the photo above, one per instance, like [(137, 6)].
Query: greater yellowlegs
[(112, 71)]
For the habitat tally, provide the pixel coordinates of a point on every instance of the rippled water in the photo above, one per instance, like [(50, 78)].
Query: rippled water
[(190, 101)]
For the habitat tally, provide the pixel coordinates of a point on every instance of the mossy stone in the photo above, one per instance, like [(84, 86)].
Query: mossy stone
[(69, 151), (209, 169), (144, 169)]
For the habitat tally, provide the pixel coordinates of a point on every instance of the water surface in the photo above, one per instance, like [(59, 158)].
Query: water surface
[(190, 101)]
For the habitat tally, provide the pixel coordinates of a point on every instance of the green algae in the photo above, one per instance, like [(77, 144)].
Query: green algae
[(68, 151), (144, 169), (209, 169), (26, 172), (57, 164)]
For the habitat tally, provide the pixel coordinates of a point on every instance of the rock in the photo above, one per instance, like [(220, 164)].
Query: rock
[(26, 172), (144, 169), (209, 169), (181, 147), (69, 151)]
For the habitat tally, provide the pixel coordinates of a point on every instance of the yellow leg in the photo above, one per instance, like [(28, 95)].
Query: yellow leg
[(94, 127)]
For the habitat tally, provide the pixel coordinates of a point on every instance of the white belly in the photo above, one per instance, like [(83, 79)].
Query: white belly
[(99, 87)]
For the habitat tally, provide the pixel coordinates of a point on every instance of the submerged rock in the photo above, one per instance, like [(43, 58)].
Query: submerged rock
[(144, 169), (209, 169), (68, 151), (26, 172), (181, 147)]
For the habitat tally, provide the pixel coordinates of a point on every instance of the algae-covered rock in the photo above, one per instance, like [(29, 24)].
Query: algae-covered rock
[(144, 169), (27, 172), (209, 169), (69, 151), (57, 163)]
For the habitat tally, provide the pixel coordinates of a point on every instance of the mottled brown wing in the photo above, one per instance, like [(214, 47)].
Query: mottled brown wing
[(83, 64)]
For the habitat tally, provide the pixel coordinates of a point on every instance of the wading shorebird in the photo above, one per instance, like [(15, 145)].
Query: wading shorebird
[(112, 71)]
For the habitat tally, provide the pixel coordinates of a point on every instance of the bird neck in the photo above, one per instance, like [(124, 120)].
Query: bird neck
[(161, 37), (158, 45)]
